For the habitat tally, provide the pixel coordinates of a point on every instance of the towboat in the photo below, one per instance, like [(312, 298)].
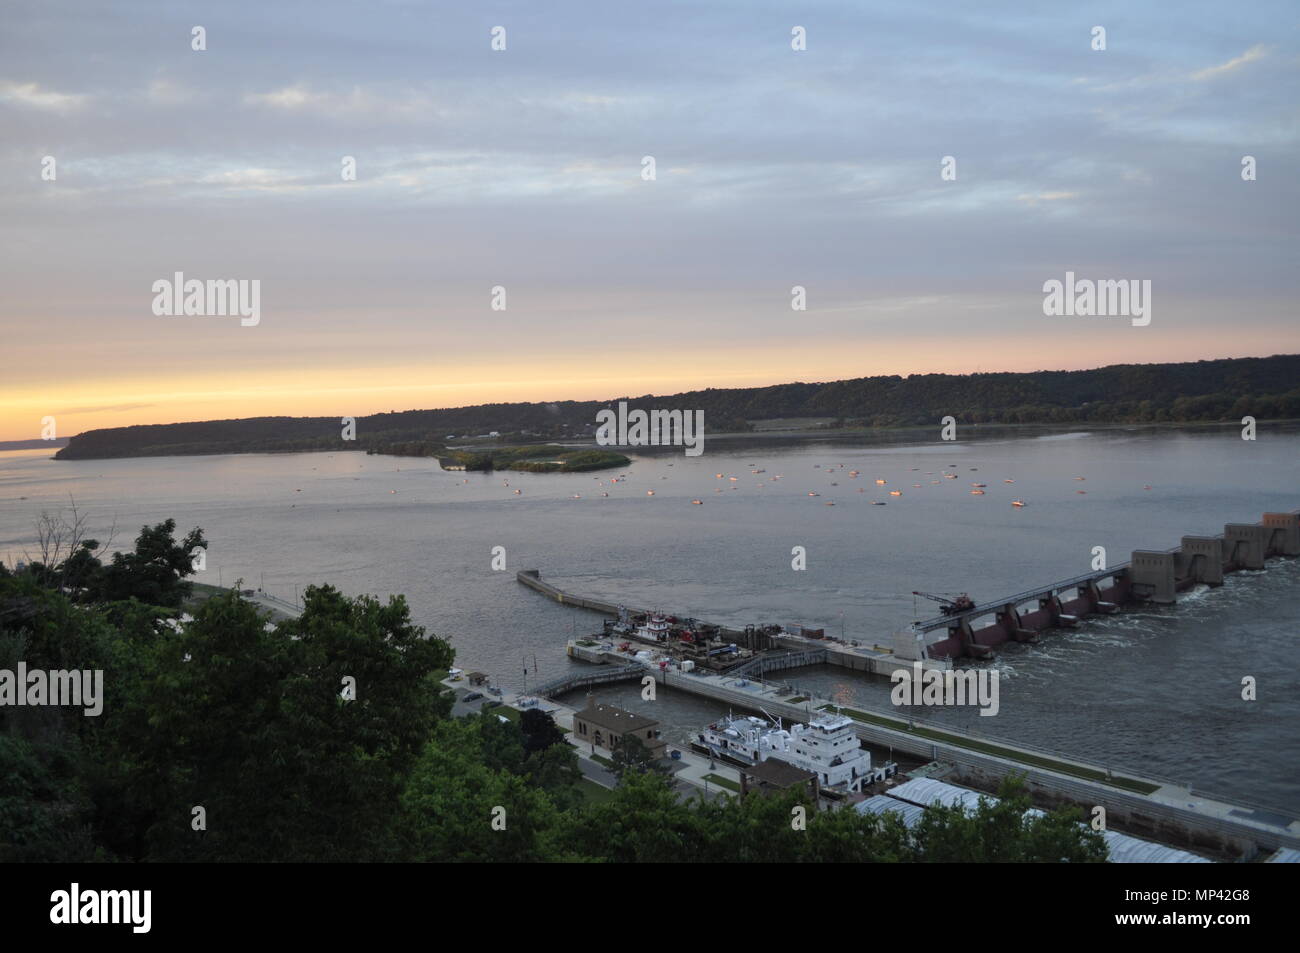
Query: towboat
[(828, 747)]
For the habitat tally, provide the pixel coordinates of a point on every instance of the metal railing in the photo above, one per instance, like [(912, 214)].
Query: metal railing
[(984, 608), (557, 686)]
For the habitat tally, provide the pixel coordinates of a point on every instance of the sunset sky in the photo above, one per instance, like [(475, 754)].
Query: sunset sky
[(522, 168)]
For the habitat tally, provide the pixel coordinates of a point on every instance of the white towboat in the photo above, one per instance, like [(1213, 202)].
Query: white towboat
[(828, 747), (655, 629)]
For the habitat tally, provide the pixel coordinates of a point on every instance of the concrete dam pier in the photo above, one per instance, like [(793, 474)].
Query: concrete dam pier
[(1149, 576)]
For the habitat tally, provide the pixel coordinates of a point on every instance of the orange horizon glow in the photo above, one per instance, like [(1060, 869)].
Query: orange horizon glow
[(107, 401)]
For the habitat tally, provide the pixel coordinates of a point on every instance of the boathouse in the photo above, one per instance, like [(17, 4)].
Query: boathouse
[(602, 726)]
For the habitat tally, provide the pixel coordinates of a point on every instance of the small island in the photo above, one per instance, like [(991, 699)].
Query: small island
[(546, 458)]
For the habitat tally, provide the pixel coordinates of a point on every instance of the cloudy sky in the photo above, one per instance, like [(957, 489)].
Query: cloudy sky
[(523, 168)]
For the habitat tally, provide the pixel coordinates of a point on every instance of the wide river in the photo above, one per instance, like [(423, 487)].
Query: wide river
[(1153, 691)]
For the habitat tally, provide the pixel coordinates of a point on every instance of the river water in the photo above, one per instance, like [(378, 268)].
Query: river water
[(1154, 691)]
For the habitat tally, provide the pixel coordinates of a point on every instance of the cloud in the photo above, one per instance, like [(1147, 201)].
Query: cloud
[(399, 104), (31, 94), (1033, 198), (1256, 52)]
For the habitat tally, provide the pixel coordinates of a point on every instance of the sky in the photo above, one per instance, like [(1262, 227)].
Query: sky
[(522, 169)]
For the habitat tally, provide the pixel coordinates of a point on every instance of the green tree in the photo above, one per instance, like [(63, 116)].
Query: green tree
[(458, 808), (251, 725), (540, 730), (1000, 831), (154, 572), (631, 756)]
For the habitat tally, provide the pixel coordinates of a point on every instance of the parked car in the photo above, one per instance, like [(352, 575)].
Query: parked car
[(472, 697), (493, 704)]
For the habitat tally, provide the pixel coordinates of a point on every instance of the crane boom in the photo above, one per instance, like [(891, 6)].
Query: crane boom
[(949, 606)]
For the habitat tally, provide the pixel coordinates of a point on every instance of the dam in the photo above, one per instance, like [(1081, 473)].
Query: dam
[(1150, 576)]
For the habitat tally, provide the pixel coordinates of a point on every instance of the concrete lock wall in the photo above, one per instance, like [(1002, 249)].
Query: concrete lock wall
[(1204, 559), (1152, 574), (1284, 533), (1246, 544)]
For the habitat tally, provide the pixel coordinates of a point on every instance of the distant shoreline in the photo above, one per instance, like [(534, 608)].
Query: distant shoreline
[(908, 434)]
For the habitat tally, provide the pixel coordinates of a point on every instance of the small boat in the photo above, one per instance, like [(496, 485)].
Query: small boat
[(895, 492), (698, 502), (814, 494), (649, 492), (518, 492), (1146, 486), (950, 476), (1008, 481), (1017, 503), (1081, 478), (916, 486), (718, 475), (1082, 492), (879, 503), (880, 483), (977, 492), (830, 502), (980, 485)]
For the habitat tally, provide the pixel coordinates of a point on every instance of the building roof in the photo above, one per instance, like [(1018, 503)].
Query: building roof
[(1124, 848), (781, 774), (879, 804), (615, 719)]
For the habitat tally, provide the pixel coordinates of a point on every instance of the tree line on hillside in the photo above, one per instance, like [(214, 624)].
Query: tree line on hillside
[(1222, 390)]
